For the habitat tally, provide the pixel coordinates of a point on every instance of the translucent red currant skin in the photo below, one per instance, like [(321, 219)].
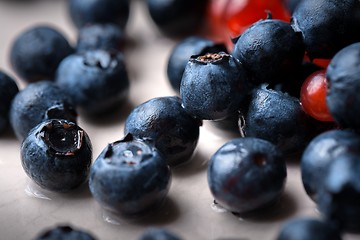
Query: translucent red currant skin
[(253, 11), (313, 97), (322, 62), (229, 18)]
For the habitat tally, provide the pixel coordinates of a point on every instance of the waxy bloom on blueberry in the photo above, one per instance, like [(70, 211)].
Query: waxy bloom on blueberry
[(57, 155)]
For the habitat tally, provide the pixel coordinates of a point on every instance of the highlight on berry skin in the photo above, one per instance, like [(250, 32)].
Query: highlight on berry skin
[(313, 96)]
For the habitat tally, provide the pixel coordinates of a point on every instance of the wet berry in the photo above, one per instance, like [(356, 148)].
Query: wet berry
[(130, 177), (96, 80), (38, 102), (181, 54), (57, 155), (270, 50), (339, 193), (163, 120), (320, 152), (64, 232), (177, 18), (278, 118), (327, 25), (214, 86), (100, 36), (37, 51), (343, 86), (84, 12), (246, 174), (8, 90)]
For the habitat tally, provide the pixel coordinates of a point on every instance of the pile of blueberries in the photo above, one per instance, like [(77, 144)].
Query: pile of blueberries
[(251, 89)]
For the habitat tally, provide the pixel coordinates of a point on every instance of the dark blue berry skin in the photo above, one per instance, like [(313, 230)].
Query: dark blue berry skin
[(163, 121), (343, 86), (57, 155), (181, 53), (158, 234), (130, 177), (327, 25), (306, 228), (177, 18), (320, 152), (38, 102), (8, 90), (271, 50), (293, 86), (83, 12), (246, 174), (339, 194), (278, 118), (213, 86), (96, 81), (64, 233), (100, 36), (37, 52)]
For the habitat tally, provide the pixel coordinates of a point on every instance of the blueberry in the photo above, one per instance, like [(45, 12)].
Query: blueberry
[(37, 52), (306, 228), (64, 232), (271, 50), (327, 25), (290, 5), (246, 174), (57, 155), (163, 121), (343, 82), (158, 234), (8, 90), (213, 86), (339, 193), (320, 152), (83, 12), (177, 18), (130, 177), (38, 102), (106, 36), (181, 53), (278, 118), (96, 81)]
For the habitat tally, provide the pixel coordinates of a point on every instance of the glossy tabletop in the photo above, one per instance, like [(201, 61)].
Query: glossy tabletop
[(26, 210)]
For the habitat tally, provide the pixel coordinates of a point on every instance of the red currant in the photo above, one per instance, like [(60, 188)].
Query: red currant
[(250, 13), (321, 62), (313, 96), (229, 18), (216, 18)]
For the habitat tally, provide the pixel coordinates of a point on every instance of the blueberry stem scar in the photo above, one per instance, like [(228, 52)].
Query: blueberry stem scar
[(62, 138)]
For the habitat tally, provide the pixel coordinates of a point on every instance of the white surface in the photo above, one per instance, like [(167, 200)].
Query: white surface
[(188, 210)]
